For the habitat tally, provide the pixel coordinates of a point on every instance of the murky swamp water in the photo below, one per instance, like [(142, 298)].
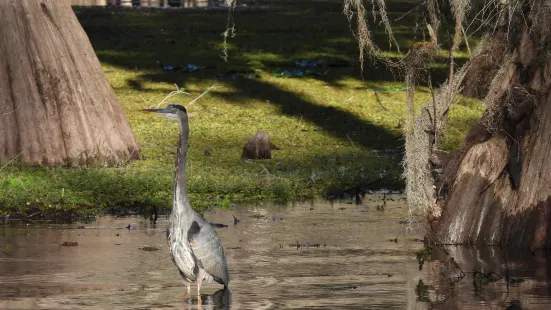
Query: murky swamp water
[(344, 260)]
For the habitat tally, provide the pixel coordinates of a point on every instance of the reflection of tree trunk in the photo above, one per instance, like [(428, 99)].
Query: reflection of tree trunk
[(500, 181), (56, 105), (501, 261)]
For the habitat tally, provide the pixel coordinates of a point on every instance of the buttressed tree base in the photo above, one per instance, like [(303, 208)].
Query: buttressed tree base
[(56, 107)]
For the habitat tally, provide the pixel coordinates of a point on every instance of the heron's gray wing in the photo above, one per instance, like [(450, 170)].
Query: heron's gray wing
[(208, 249), (185, 260)]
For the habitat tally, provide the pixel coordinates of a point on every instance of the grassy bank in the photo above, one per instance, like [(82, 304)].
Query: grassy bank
[(336, 130)]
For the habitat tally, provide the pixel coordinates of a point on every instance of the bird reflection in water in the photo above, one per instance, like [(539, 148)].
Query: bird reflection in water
[(218, 300)]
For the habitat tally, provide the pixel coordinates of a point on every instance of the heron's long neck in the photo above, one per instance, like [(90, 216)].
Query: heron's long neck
[(181, 202)]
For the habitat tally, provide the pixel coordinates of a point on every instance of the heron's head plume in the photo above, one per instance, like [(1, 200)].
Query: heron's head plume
[(171, 111)]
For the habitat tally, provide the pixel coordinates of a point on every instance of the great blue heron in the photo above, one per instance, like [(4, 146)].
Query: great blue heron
[(194, 245)]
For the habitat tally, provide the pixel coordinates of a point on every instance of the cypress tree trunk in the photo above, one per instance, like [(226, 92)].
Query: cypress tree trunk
[(56, 106), (500, 180)]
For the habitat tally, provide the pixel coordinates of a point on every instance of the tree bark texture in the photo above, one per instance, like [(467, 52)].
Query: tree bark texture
[(500, 180), (56, 106)]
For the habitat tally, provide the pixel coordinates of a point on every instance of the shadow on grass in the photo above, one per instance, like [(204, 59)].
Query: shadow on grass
[(333, 120)]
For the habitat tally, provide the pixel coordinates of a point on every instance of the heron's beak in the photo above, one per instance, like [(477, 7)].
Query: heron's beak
[(157, 111)]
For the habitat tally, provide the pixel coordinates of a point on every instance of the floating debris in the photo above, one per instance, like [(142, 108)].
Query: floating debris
[(94, 227), (305, 245), (235, 220), (149, 249), (342, 288), (263, 217), (218, 225), (69, 243)]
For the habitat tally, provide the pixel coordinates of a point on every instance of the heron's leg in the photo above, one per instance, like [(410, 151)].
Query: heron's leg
[(188, 286), (200, 276)]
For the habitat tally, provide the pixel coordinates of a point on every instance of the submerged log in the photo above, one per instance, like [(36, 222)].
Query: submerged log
[(258, 147)]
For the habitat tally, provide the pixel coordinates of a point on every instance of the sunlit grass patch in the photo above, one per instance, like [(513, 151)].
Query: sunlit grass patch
[(337, 128)]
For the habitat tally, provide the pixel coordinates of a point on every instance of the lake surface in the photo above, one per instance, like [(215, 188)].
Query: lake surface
[(345, 259)]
